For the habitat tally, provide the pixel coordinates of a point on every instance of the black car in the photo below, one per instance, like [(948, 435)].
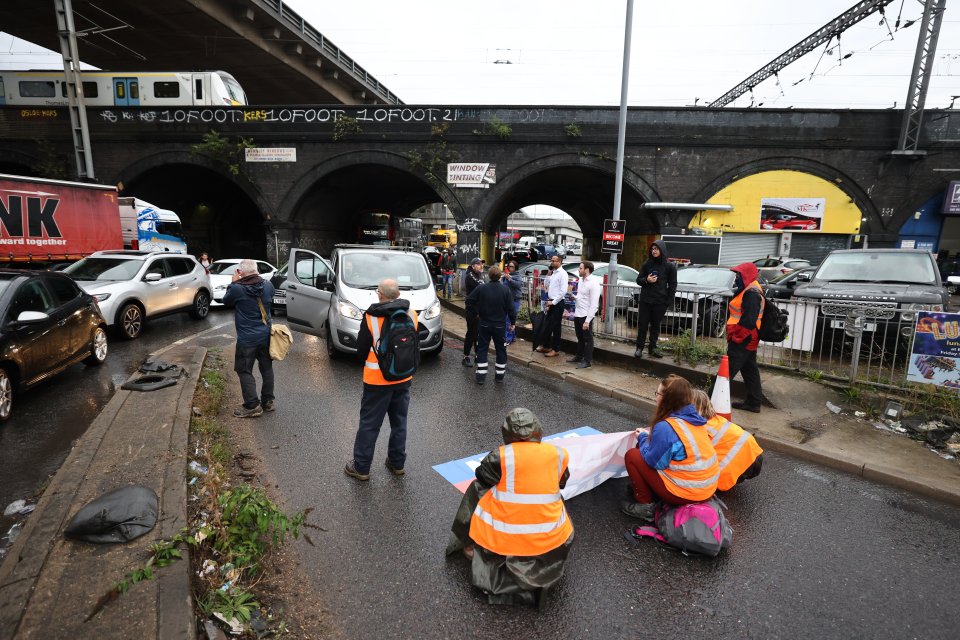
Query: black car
[(781, 287), (47, 323)]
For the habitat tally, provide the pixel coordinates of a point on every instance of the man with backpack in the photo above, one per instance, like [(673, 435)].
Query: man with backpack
[(250, 296), (743, 333), (492, 306), (388, 342)]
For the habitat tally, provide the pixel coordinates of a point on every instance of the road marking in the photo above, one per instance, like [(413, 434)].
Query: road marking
[(182, 341)]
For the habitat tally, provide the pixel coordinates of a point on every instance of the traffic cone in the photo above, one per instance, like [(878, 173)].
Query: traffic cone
[(721, 390)]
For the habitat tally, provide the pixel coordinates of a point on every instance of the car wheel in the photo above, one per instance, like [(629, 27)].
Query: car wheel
[(332, 352), (201, 305), (6, 395), (130, 320), (98, 348), (718, 324)]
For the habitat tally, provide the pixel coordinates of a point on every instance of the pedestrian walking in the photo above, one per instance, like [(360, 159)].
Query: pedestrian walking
[(472, 278), (381, 397), (514, 282), (743, 334), (492, 304), (251, 296), (448, 267), (658, 286), (512, 522), (587, 305), (557, 285)]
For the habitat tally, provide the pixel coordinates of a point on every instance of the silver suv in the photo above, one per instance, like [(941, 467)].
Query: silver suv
[(327, 299), (132, 286)]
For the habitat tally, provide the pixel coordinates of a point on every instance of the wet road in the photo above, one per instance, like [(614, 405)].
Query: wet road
[(815, 553), (47, 419)]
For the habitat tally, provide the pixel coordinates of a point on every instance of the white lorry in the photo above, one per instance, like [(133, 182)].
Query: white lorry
[(150, 228)]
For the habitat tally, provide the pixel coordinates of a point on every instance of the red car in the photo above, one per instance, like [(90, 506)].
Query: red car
[(795, 224)]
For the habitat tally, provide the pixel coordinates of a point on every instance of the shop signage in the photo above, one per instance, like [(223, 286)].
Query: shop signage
[(951, 200), (477, 175), (276, 154), (935, 357), (614, 233)]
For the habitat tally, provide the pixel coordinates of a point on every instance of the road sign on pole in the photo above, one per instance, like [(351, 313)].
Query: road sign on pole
[(614, 233)]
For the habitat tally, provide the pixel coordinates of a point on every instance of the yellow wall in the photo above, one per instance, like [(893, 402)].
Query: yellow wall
[(840, 214)]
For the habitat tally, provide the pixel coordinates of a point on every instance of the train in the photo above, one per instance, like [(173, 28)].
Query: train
[(123, 89)]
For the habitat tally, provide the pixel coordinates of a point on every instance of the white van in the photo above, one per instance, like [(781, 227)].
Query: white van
[(526, 242), (146, 227)]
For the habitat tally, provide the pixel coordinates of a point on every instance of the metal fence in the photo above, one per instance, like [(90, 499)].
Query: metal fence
[(849, 341)]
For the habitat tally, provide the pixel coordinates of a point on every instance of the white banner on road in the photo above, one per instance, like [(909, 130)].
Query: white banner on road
[(594, 459)]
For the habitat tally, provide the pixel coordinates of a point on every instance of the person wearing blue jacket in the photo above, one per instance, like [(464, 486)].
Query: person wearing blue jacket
[(514, 282), (674, 461), (250, 296)]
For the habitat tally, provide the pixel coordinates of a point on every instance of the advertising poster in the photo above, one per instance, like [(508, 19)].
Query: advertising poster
[(476, 175), (935, 358), (792, 214)]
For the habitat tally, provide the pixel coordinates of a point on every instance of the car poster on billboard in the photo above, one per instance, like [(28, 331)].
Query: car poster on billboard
[(792, 214), (935, 358)]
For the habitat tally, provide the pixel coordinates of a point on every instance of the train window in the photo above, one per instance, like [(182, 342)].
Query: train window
[(198, 93), (121, 93), (134, 90), (37, 89), (90, 89), (165, 89)]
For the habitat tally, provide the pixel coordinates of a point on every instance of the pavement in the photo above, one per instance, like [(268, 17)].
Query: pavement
[(795, 420), (50, 584)]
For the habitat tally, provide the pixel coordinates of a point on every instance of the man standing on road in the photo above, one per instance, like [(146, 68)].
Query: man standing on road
[(492, 304), (251, 296), (381, 397), (743, 333), (658, 286), (448, 266), (588, 302), (514, 282), (556, 291), (472, 279)]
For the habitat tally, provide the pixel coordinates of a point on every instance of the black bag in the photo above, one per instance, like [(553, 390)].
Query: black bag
[(398, 349), (117, 516), (773, 324)]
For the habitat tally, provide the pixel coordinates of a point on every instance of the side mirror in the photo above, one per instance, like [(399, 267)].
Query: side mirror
[(805, 277), (152, 277), (31, 317)]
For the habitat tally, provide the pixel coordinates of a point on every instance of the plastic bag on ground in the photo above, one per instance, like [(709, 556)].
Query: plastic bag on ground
[(117, 516)]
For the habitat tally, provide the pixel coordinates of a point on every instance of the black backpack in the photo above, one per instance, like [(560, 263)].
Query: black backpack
[(398, 349), (773, 324)]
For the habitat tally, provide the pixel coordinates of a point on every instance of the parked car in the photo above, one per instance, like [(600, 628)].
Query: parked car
[(522, 255), (221, 275), (547, 251), (627, 287), (574, 249), (49, 324), (328, 298), (774, 266), (134, 286), (781, 287), (704, 289)]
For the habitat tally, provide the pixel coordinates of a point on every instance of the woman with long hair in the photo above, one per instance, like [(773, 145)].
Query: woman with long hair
[(674, 461)]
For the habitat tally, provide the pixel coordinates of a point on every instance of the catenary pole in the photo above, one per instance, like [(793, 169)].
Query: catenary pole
[(611, 298)]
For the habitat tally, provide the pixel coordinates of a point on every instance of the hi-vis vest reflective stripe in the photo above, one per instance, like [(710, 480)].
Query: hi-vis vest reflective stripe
[(524, 514), (695, 477), (371, 368), (735, 448), (735, 306)]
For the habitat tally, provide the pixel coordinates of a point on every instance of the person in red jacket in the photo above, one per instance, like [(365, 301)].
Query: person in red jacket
[(743, 334)]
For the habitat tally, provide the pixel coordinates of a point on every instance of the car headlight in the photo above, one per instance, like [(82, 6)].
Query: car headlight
[(432, 311), (100, 297), (350, 310)]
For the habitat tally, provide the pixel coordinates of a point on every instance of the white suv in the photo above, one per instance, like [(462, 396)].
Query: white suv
[(131, 286)]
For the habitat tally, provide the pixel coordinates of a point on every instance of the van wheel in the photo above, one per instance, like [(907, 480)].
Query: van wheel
[(6, 395), (201, 305), (332, 352), (130, 321), (98, 348)]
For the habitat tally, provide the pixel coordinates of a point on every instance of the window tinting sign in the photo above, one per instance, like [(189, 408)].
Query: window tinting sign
[(614, 233)]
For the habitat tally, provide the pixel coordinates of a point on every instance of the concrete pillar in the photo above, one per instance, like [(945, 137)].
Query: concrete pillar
[(488, 243), (635, 249)]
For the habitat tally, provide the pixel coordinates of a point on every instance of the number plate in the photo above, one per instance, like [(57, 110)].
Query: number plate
[(279, 301), (839, 324)]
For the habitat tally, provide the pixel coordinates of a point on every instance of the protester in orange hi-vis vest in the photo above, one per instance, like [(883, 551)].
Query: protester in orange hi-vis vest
[(743, 334), (381, 397), (512, 522), (674, 461), (739, 456)]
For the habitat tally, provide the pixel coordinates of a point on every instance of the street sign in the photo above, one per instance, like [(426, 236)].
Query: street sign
[(614, 233)]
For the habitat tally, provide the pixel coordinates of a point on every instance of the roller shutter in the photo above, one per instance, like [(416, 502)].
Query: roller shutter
[(815, 247), (747, 247)]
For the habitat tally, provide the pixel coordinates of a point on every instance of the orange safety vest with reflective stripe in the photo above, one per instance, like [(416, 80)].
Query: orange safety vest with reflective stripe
[(695, 477), (524, 514), (735, 448), (371, 368), (735, 306)]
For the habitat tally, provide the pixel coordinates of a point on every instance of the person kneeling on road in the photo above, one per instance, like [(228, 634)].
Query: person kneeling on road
[(492, 305), (740, 457), (512, 522), (251, 296), (674, 460)]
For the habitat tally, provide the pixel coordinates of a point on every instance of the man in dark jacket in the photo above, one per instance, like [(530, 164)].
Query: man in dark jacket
[(743, 333), (251, 295), (472, 278), (658, 286), (492, 305), (448, 267)]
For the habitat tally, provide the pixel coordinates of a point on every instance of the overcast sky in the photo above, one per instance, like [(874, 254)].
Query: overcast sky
[(549, 53)]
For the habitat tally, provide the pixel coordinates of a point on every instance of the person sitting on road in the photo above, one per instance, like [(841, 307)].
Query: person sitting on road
[(740, 457), (512, 523), (674, 460)]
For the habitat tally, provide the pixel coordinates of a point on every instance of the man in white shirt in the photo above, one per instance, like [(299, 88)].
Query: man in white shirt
[(588, 303), (556, 290)]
